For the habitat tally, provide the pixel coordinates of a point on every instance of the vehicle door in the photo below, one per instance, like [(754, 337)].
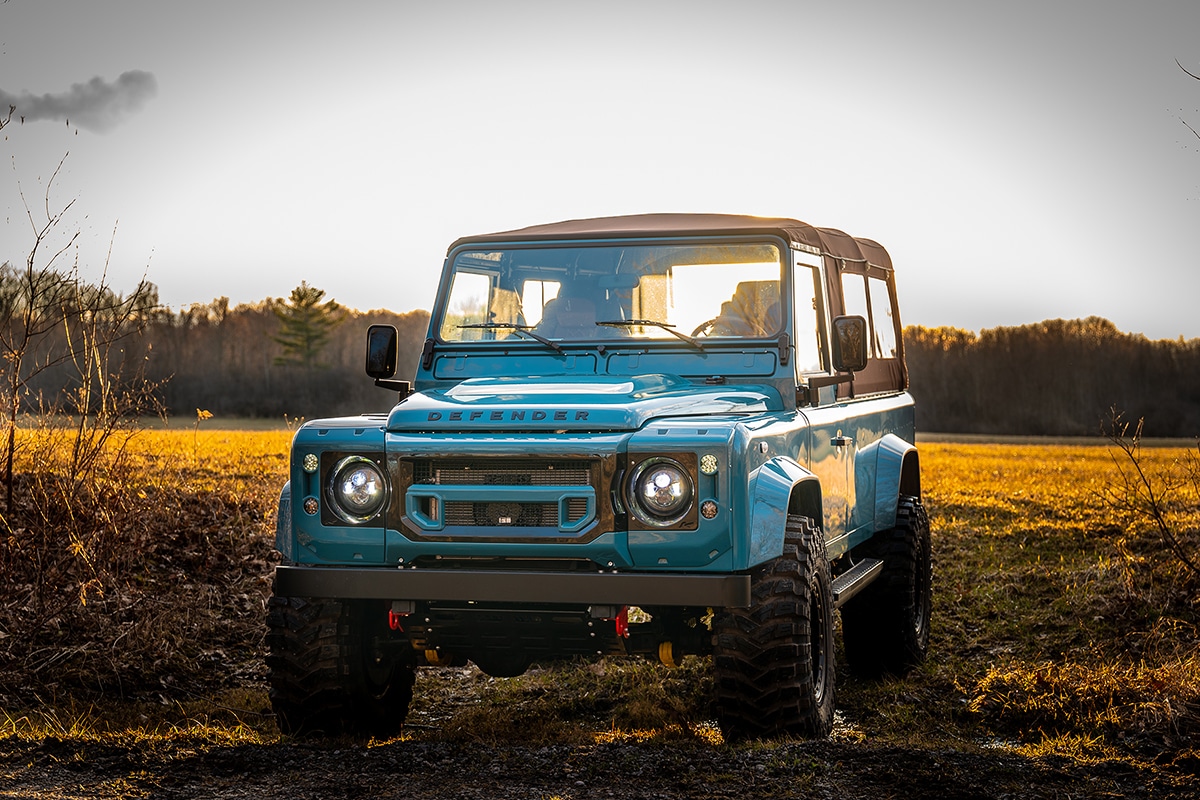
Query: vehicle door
[(830, 453), (867, 292)]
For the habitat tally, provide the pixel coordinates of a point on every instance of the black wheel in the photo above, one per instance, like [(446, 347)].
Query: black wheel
[(886, 628), (332, 670), (774, 662), (501, 663)]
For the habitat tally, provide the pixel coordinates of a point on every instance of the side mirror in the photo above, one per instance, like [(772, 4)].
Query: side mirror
[(849, 344), (381, 351)]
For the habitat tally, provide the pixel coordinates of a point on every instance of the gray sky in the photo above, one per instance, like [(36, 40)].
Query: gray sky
[(1021, 161)]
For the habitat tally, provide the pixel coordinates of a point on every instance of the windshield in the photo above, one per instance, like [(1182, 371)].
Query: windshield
[(617, 291)]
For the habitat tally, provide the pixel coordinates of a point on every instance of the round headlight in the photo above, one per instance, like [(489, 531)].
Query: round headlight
[(357, 489), (662, 491)]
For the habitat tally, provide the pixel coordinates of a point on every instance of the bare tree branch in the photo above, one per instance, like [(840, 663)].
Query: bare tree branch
[(1190, 128), (1145, 495)]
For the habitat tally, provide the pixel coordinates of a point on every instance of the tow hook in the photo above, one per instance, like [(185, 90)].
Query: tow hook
[(622, 623), (618, 616)]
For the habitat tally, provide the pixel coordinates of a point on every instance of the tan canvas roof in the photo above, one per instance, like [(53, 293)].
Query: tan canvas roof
[(828, 241)]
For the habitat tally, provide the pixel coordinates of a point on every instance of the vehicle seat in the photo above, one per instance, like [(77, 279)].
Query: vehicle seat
[(569, 318), (752, 311)]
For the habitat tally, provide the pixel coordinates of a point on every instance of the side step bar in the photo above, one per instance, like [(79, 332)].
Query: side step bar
[(855, 579)]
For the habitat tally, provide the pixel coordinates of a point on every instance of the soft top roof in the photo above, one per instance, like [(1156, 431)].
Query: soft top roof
[(829, 241)]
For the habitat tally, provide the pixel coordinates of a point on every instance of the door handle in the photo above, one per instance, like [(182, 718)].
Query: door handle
[(841, 441)]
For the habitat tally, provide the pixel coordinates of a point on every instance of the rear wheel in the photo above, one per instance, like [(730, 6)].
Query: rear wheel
[(886, 628), (773, 662), (335, 668)]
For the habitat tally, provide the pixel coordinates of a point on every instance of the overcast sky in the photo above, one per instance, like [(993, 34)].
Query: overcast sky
[(1021, 161)]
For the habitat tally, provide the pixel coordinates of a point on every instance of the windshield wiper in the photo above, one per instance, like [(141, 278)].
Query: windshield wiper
[(666, 326), (525, 329)]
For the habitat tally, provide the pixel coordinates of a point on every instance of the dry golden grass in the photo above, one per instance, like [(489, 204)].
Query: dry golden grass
[(1059, 619), (1059, 625), (147, 578)]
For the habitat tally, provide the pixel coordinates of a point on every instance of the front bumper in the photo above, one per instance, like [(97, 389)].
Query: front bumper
[(493, 586)]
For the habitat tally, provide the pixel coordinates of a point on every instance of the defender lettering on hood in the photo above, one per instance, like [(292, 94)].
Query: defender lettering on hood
[(587, 403), (517, 415)]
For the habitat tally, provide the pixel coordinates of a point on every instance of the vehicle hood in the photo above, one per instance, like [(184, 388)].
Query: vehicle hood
[(564, 403)]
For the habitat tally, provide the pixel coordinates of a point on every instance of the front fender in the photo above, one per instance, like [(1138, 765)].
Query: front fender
[(772, 487)]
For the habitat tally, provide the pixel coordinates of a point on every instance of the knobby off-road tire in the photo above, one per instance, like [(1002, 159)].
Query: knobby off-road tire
[(326, 673), (886, 628), (773, 662)]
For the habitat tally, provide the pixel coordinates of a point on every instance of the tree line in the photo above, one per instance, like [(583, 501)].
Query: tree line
[(1057, 377), (274, 358), (303, 357), (69, 348)]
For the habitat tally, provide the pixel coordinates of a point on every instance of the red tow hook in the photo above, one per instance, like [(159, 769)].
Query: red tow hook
[(622, 622), (395, 621)]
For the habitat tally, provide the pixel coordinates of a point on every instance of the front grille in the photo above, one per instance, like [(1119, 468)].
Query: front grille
[(534, 515), (513, 492), (502, 472)]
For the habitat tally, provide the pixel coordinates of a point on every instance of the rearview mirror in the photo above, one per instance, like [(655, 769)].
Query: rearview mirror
[(622, 280), (849, 344), (381, 351)]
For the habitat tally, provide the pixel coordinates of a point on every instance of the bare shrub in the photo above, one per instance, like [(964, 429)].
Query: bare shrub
[(154, 580), (1164, 498), (61, 343), (71, 398)]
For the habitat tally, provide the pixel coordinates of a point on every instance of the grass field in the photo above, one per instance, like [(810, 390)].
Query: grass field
[(1061, 626)]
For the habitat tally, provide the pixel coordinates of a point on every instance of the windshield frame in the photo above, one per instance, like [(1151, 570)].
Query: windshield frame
[(656, 332)]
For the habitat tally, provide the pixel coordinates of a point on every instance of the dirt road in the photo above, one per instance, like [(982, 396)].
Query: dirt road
[(187, 768)]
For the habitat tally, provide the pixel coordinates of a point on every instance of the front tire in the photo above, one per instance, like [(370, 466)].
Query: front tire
[(328, 671), (774, 661), (886, 629)]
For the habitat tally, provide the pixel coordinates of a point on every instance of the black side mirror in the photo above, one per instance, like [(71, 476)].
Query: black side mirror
[(381, 359), (381, 351), (849, 344)]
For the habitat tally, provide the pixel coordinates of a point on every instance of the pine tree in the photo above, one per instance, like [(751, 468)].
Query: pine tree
[(305, 324)]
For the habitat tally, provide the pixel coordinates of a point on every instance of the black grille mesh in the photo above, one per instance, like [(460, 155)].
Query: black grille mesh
[(506, 472)]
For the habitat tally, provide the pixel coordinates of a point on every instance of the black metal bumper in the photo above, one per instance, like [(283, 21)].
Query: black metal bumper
[(489, 586)]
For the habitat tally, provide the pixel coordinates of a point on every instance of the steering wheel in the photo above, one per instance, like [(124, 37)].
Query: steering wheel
[(704, 327)]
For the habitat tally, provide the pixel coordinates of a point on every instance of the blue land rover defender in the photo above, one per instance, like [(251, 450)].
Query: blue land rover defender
[(666, 435)]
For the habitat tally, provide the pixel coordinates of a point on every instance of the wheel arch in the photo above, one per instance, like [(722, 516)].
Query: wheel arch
[(284, 537), (779, 487), (897, 469)]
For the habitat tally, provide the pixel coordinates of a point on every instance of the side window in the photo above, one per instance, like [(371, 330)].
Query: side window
[(854, 295), (883, 324), (805, 280), (868, 298)]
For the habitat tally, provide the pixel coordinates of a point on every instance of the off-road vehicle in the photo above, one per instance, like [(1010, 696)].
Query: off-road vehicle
[(665, 435)]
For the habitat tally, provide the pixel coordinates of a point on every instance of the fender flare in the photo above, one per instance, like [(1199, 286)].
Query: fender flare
[(896, 466), (284, 538), (779, 487)]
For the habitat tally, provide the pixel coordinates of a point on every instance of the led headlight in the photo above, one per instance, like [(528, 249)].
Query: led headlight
[(660, 491), (357, 489)]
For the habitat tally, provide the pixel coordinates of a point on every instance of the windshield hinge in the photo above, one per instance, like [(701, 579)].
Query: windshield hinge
[(427, 354), (785, 349), (715, 380)]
